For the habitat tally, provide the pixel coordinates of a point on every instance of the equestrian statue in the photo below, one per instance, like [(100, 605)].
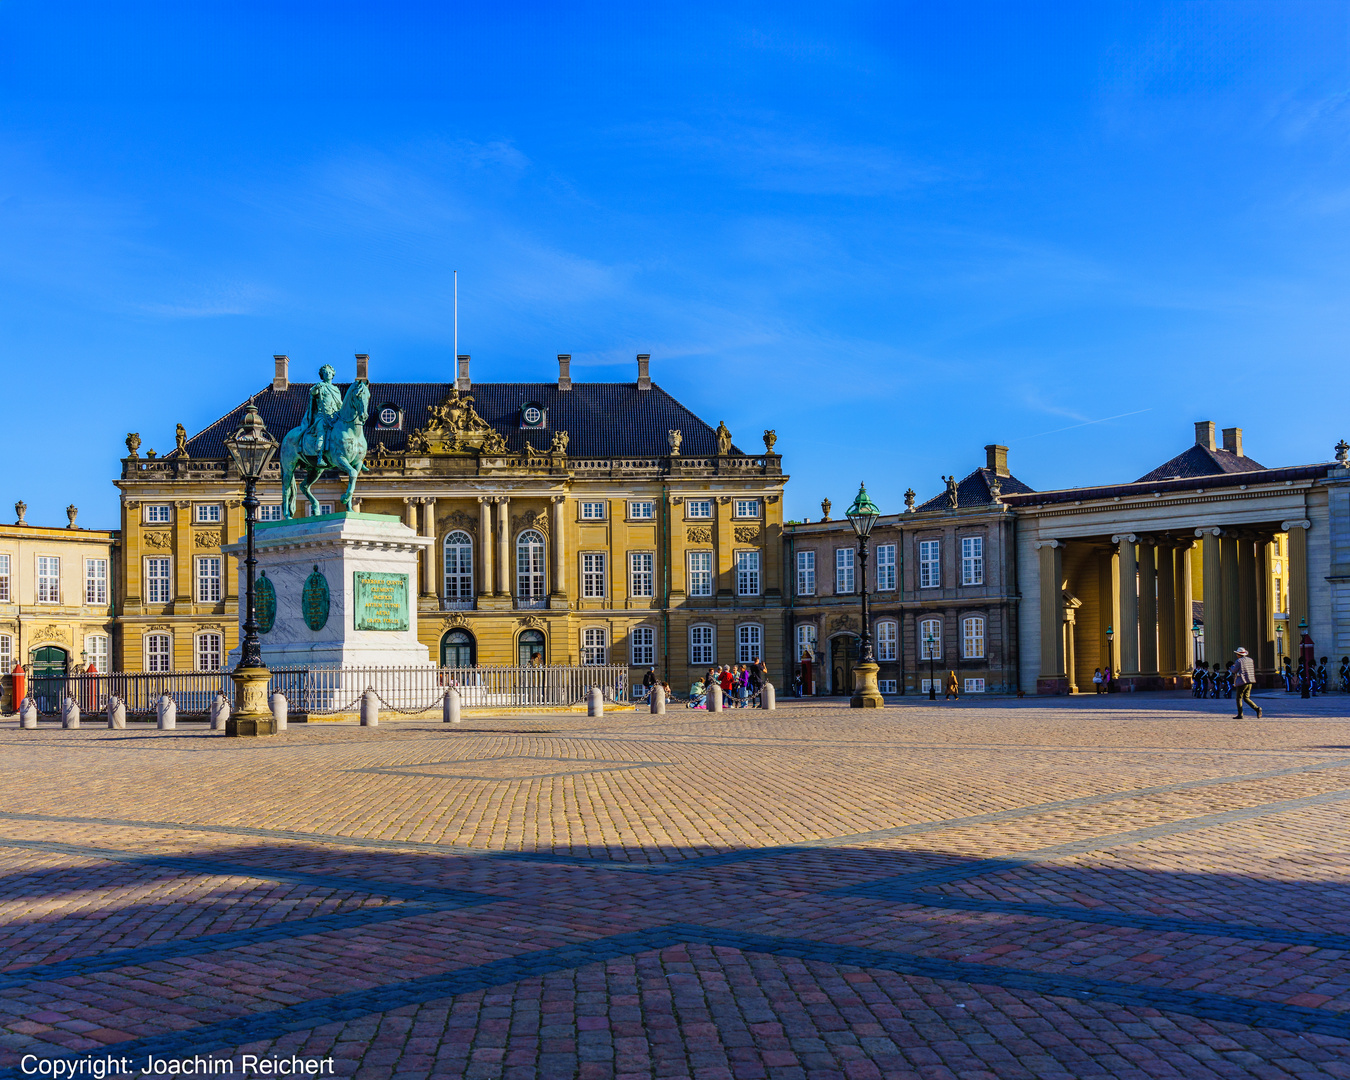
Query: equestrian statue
[(331, 436)]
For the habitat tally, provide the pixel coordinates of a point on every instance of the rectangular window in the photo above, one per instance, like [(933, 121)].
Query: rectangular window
[(747, 573), (747, 508), (974, 686), (700, 573), (749, 638), (269, 512), (930, 639), (48, 579), (886, 568), (701, 645), (806, 641), (926, 684), (158, 514), (886, 686), (886, 637), (96, 581), (644, 646), (158, 581), (208, 513), (208, 580), (641, 511), (208, 652), (806, 573), (641, 579), (592, 511), (157, 657), (698, 508), (4, 578), (843, 570), (930, 572), (593, 574), (593, 647), (325, 508), (97, 654), (459, 568), (6, 653), (1279, 595), (972, 560), (972, 638)]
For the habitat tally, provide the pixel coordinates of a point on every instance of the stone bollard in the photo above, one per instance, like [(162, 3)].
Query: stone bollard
[(768, 699), (451, 706), (220, 712), (70, 714), (117, 713), (280, 710), (370, 709), (714, 698), (658, 697), (28, 713), (166, 713), (595, 702)]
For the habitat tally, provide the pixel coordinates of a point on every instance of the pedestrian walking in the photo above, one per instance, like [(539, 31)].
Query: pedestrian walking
[(648, 681), (951, 687), (1244, 678), (1096, 680)]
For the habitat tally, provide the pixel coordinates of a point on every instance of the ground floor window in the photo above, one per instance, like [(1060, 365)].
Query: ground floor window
[(886, 686), (701, 646), (530, 648), (972, 638), (97, 653), (974, 686), (886, 637), (643, 641), (208, 652), (593, 646), (157, 654), (806, 641), (749, 643)]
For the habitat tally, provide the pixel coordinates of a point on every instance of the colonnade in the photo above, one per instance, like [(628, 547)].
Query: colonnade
[(1152, 632)]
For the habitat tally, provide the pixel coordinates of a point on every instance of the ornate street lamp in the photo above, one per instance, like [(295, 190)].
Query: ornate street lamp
[(1306, 659), (862, 515), (931, 642), (252, 449)]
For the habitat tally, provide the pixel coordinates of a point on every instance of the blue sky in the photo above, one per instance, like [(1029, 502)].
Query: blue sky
[(891, 232)]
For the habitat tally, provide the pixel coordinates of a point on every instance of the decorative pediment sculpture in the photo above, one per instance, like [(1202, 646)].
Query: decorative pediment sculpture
[(454, 427)]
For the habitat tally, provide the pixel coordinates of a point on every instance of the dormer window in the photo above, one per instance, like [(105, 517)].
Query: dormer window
[(390, 416), (533, 416)]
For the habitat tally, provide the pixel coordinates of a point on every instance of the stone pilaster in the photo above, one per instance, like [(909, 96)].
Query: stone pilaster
[(1212, 593), (485, 546), (1052, 679), (1148, 609), (558, 541), (1127, 631), (1167, 611), (1185, 597), (1298, 581), (1229, 578), (503, 546)]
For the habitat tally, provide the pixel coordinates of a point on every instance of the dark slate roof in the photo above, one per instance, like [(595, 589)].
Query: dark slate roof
[(1161, 487), (602, 420), (974, 491), (1201, 461)]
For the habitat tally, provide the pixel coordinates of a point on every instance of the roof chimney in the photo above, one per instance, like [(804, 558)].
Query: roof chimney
[(363, 366), (1204, 434), (644, 373), (564, 371), (462, 378), (280, 379), (996, 459), (1232, 440)]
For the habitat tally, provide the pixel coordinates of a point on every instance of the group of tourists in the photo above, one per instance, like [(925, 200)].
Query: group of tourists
[(737, 682)]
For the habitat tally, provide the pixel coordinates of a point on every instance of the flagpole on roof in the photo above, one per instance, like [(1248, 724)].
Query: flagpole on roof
[(455, 362)]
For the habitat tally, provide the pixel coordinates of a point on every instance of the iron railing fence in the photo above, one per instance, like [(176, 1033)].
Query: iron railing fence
[(321, 690)]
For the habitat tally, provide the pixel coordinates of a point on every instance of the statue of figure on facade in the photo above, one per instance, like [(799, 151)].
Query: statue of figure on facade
[(324, 402), (180, 440), (494, 442), (770, 437), (675, 437), (723, 438), (953, 499), (331, 435), (559, 447), (133, 443)]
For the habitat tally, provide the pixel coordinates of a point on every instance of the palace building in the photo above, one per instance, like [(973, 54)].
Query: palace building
[(583, 523)]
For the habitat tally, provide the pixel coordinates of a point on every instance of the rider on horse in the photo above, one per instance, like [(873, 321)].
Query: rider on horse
[(325, 402)]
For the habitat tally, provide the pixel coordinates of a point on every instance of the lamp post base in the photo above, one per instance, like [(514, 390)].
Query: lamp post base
[(251, 714), (865, 692)]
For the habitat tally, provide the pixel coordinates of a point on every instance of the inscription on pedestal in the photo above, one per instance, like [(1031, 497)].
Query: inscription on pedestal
[(380, 601)]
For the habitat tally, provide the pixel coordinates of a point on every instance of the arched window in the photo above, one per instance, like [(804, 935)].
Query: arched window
[(972, 638), (593, 646), (457, 649), (749, 643), (530, 569), (643, 642), (930, 639), (886, 637), (702, 645), (807, 637), (529, 645), (458, 569)]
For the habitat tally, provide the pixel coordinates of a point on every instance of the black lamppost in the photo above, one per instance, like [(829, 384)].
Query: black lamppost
[(1305, 660), (252, 449), (1110, 654), (862, 515), (931, 641)]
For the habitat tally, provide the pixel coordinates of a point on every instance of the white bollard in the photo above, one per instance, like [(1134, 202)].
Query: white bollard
[(28, 713), (166, 713), (595, 702), (714, 698), (767, 697), (451, 706), (280, 710), (658, 698), (117, 713), (70, 714), (370, 709), (220, 712)]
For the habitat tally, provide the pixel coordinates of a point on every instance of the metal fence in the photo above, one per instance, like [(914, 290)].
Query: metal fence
[(321, 690)]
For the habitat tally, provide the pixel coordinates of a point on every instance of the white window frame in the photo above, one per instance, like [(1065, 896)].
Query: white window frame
[(806, 573), (531, 557), (6, 654), (844, 580), (158, 587), (808, 636), (641, 510), (700, 576), (972, 637), (393, 424), (98, 651), (206, 647), (972, 560), (886, 686), (930, 564), (4, 578), (698, 509), (925, 626), (270, 512), (207, 513), (747, 573), (96, 581), (324, 508), (594, 646), (209, 579), (642, 646), (974, 686), (702, 645), (457, 563), (746, 508), (888, 634), (641, 574), (749, 643), (47, 581), (158, 652), (592, 511), (593, 569), (157, 514), (886, 568)]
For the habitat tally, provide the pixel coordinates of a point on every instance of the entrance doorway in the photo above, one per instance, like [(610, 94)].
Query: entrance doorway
[(529, 645), (458, 649), (50, 666), (843, 655)]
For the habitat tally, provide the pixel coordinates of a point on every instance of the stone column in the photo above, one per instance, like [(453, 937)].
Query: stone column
[(503, 545), (1052, 677), (1265, 607), (1148, 608), (1108, 615), (1070, 659), (1185, 608), (1167, 610), (1212, 588), (1127, 633), (1298, 582), (1249, 569), (485, 577), (1228, 570), (558, 594), (430, 557)]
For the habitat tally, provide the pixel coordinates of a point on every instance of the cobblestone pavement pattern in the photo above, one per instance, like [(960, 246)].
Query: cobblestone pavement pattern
[(1124, 887)]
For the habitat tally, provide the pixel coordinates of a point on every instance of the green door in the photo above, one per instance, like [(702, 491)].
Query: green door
[(49, 677), (531, 644), (457, 649)]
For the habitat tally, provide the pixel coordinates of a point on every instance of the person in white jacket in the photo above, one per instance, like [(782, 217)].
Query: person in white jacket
[(1244, 678)]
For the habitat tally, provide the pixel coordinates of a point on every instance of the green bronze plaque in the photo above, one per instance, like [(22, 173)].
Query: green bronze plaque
[(264, 603), (314, 600), (380, 600)]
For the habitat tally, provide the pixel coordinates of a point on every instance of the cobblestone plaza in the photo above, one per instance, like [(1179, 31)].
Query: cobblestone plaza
[(1126, 886)]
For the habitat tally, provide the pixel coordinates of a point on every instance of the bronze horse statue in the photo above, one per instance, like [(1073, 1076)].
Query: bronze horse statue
[(343, 448)]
